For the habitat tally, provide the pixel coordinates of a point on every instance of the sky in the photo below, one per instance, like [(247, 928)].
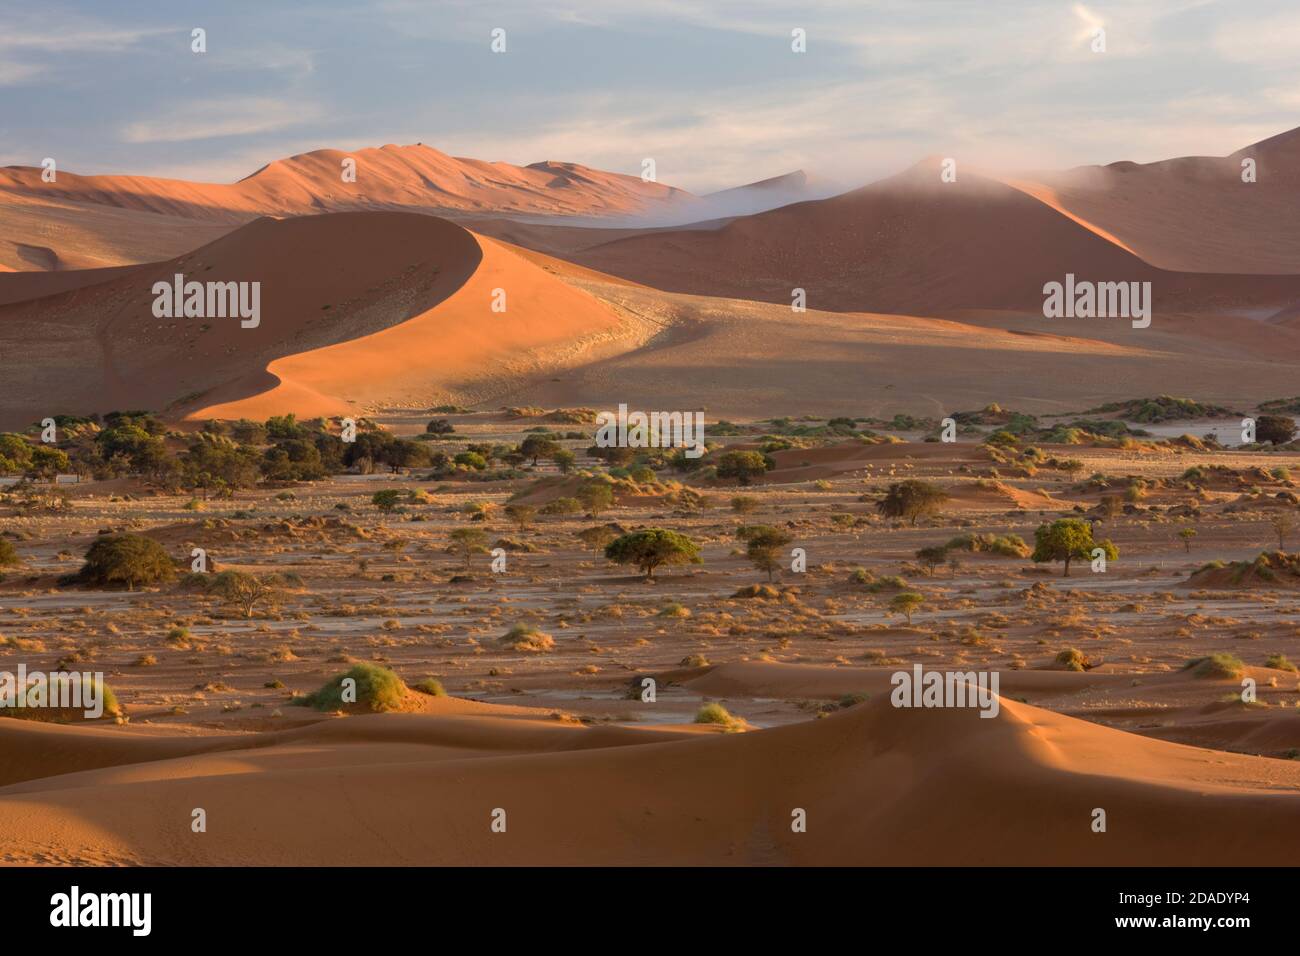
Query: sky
[(709, 89)]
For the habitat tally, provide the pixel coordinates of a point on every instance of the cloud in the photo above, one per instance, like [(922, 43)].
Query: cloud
[(212, 120)]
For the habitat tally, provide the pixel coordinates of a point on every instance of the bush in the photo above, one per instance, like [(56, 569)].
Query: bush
[(432, 687), (1277, 429), (525, 637), (1225, 666), (562, 506), (1007, 545), (126, 560), (8, 553), (744, 466), (1073, 659), (112, 708), (377, 689), (717, 714), (1278, 662)]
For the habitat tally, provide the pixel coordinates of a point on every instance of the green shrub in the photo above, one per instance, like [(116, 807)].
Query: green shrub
[(377, 689), (717, 714), (1225, 666), (126, 560)]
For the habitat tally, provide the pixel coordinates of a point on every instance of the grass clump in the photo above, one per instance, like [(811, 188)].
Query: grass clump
[(525, 637), (377, 689), (719, 715), (1219, 666), (431, 686), (1278, 662)]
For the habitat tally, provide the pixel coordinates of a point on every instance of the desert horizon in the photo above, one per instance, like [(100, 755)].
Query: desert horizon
[(747, 483)]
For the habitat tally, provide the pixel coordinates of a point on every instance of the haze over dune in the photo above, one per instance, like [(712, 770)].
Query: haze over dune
[(911, 244), (85, 221), (1194, 214)]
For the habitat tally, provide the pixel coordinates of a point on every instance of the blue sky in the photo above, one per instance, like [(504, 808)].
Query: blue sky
[(710, 90)]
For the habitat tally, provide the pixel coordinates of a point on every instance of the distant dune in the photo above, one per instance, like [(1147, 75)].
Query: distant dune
[(86, 221), (1193, 214), (911, 244)]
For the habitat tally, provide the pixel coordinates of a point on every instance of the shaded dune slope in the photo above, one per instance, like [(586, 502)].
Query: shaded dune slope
[(913, 244)]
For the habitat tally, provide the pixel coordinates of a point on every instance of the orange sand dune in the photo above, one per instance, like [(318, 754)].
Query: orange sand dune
[(355, 307), (913, 244), (879, 785), (459, 345), (415, 177), (44, 233), (1193, 214), (79, 222)]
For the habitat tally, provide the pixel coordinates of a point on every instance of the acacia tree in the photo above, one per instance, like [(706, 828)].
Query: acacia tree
[(653, 548), (468, 542), (1282, 524), (246, 590), (744, 466), (763, 545), (1066, 539), (911, 499), (521, 515), (596, 496), (539, 446), (932, 557), (905, 603)]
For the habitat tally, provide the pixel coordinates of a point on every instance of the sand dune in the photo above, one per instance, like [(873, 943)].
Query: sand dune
[(879, 786), (388, 178), (90, 221), (912, 244), (356, 307), (738, 359), (1193, 214)]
